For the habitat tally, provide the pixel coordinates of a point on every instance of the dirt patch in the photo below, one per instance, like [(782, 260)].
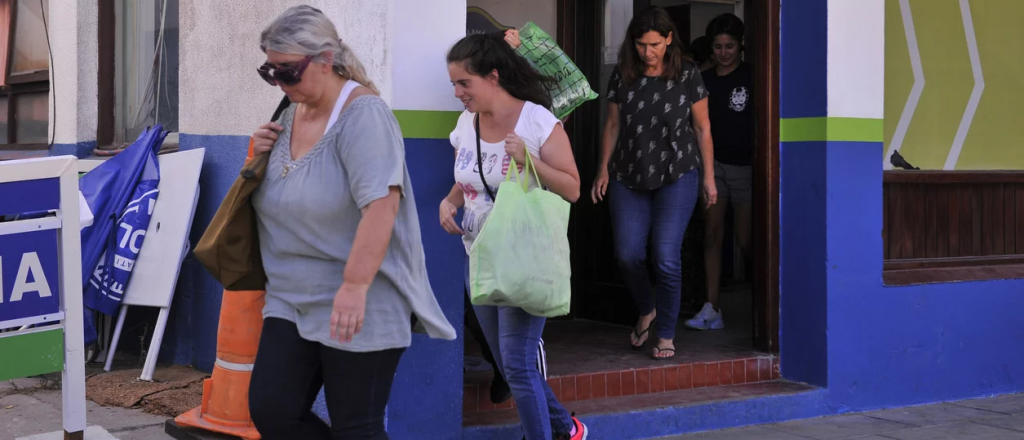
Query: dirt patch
[(174, 402), (174, 390)]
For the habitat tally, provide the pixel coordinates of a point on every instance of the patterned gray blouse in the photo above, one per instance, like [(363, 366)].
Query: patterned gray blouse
[(656, 142)]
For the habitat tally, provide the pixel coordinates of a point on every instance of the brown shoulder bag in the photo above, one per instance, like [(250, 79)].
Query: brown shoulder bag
[(230, 248)]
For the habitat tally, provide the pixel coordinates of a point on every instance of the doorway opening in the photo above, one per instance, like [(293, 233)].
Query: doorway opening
[(588, 360)]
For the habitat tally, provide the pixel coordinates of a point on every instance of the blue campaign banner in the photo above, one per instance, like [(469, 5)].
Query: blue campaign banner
[(29, 275), (25, 196)]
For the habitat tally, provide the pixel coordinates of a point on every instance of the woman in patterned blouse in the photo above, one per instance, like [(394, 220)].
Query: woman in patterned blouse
[(656, 138)]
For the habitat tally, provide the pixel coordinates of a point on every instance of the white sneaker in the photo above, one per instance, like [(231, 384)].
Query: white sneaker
[(706, 319)]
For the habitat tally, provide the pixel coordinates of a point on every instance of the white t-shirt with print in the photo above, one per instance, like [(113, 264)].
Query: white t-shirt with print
[(534, 127)]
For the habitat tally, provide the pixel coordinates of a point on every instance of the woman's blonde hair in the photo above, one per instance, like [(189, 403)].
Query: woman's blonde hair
[(305, 30)]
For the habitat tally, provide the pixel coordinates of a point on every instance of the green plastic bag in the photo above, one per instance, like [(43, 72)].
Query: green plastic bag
[(540, 50), (521, 256)]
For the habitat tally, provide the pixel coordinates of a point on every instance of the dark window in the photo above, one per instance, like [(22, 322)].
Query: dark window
[(24, 74)]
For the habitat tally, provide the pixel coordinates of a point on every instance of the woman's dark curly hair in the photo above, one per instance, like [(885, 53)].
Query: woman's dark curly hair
[(481, 54), (728, 24), (701, 49)]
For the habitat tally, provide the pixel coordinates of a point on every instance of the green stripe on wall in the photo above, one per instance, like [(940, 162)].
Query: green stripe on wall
[(426, 124), (429, 124), (831, 129), (32, 354)]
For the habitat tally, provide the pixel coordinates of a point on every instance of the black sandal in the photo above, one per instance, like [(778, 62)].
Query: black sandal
[(640, 335), (658, 350)]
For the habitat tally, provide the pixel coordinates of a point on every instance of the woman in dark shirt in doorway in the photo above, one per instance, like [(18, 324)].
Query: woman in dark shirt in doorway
[(656, 139), (730, 83)]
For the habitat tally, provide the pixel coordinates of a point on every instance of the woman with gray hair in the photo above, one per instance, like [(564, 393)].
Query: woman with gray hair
[(340, 240)]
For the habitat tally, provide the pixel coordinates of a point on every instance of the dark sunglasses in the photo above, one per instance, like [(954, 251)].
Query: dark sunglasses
[(286, 75)]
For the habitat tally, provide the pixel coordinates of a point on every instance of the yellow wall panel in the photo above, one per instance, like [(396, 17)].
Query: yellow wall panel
[(996, 133)]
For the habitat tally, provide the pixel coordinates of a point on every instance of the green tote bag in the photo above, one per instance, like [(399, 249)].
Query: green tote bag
[(521, 256), (572, 88)]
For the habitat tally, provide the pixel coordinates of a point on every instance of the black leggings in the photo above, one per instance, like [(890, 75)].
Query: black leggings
[(287, 377)]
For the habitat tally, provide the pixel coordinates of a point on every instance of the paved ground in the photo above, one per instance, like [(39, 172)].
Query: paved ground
[(996, 418), (32, 406)]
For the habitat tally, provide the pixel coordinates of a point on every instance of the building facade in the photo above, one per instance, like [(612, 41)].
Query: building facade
[(861, 341)]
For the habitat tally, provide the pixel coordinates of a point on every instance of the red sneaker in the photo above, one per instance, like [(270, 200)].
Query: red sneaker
[(581, 429)]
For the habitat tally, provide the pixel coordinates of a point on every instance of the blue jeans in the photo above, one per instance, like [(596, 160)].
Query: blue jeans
[(663, 215), (514, 336)]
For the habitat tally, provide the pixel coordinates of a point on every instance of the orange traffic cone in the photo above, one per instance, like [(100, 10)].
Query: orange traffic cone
[(225, 407), (251, 154)]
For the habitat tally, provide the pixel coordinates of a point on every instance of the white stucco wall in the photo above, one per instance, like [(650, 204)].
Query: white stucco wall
[(856, 62), (421, 34), (220, 92), (74, 83)]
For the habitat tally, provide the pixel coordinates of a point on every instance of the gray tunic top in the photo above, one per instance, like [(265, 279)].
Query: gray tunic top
[(307, 218)]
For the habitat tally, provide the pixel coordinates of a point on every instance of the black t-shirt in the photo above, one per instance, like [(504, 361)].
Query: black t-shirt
[(656, 144), (731, 109)]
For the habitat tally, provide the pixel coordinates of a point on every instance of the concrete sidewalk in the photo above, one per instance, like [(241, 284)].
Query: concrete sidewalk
[(29, 407), (32, 406), (995, 418)]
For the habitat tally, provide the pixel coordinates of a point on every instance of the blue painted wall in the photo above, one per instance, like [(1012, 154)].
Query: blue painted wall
[(803, 88), (803, 278), (894, 346), (870, 346), (79, 149), (426, 401), (191, 336), (803, 45)]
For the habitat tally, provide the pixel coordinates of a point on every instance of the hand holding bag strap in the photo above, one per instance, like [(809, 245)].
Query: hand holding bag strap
[(261, 161), (480, 160), (530, 169)]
